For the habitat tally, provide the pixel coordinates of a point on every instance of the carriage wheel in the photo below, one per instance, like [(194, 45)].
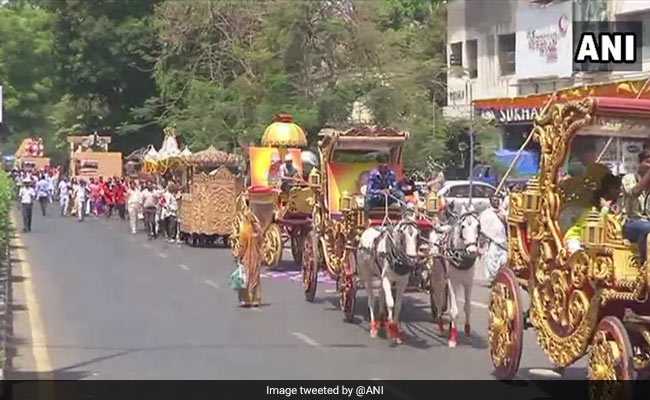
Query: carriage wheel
[(297, 244), (310, 266), (272, 246), (348, 289), (506, 324), (610, 356)]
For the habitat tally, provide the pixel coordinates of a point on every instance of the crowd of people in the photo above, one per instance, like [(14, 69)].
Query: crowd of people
[(155, 204)]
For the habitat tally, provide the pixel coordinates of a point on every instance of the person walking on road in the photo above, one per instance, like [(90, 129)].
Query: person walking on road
[(43, 193), (64, 196), (149, 203), (27, 195), (119, 195), (169, 212), (80, 198), (134, 205)]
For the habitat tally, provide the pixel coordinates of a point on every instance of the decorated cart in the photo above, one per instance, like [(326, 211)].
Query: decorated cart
[(31, 155), (290, 217), (207, 209), (592, 300), (339, 217)]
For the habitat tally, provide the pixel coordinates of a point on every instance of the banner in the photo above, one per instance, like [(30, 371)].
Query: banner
[(544, 41)]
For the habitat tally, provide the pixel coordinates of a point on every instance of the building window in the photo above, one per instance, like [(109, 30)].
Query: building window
[(471, 47), (456, 54), (507, 54)]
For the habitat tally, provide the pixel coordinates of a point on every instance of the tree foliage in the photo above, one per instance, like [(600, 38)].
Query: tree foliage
[(218, 70)]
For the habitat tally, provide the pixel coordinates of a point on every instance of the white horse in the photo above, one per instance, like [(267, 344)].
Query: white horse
[(388, 254), (454, 248)]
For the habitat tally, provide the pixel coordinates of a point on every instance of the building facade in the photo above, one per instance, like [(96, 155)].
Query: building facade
[(506, 56)]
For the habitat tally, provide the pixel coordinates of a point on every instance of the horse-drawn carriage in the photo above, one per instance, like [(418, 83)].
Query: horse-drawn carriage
[(208, 205), (290, 216), (586, 299), (340, 216)]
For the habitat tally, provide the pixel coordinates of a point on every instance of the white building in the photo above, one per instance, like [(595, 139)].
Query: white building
[(505, 49)]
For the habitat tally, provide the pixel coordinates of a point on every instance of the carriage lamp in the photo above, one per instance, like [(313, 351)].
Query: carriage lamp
[(594, 233), (314, 177), (433, 202), (532, 197), (346, 202)]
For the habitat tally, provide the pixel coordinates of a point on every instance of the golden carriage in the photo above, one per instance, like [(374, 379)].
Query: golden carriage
[(208, 204), (339, 216), (593, 301), (290, 216)]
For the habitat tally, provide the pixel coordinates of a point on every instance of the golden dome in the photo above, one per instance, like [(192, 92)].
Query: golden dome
[(283, 132)]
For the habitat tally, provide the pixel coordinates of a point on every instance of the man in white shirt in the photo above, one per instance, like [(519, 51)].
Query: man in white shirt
[(134, 205), (27, 195), (64, 196), (149, 203), (80, 197), (169, 211)]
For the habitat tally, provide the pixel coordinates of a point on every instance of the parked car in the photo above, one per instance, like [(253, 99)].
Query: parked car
[(458, 193)]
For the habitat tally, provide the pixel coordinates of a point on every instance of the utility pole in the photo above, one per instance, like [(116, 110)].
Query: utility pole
[(471, 139)]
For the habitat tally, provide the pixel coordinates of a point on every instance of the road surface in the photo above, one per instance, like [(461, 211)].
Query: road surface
[(92, 301)]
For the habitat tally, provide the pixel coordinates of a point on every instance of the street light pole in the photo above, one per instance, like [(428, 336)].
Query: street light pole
[(471, 140)]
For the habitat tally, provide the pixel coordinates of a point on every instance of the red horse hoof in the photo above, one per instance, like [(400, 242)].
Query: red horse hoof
[(394, 333), (374, 328), (468, 330), (453, 337)]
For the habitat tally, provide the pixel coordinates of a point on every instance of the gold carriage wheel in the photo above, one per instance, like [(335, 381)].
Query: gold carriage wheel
[(505, 325), (272, 246), (610, 356)]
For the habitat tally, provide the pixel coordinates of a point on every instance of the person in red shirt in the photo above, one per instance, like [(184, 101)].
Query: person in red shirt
[(108, 197), (119, 195)]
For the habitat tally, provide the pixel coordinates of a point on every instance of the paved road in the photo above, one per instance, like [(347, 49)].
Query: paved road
[(94, 302)]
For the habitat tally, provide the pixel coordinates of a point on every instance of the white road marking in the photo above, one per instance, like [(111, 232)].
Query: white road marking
[(183, 267), (331, 291), (211, 283), (147, 246), (476, 304), (162, 255), (306, 339)]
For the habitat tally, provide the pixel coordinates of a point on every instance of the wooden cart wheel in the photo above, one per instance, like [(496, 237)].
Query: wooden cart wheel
[(297, 244), (506, 324), (610, 355), (348, 289), (310, 265), (272, 246)]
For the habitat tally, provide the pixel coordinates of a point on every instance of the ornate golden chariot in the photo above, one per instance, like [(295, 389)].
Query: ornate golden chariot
[(338, 204), (208, 205), (282, 215), (593, 302)]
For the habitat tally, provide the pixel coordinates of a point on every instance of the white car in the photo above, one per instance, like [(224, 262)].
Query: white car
[(458, 193)]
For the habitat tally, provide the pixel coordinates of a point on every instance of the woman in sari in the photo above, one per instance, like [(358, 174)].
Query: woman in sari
[(251, 237)]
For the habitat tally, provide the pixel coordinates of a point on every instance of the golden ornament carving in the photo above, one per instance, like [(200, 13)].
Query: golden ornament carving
[(502, 309)]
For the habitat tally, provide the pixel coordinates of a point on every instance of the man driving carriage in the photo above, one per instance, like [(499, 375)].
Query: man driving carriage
[(288, 174), (383, 189)]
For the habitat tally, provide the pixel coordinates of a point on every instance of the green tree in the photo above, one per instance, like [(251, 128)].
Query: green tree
[(26, 65), (103, 59)]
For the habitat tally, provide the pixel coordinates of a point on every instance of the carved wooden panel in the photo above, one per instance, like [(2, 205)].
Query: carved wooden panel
[(210, 206)]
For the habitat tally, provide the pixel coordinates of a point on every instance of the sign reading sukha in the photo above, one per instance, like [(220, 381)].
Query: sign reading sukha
[(508, 115)]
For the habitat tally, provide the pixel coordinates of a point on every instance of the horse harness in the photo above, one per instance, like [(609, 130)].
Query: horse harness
[(395, 256), (458, 257)]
